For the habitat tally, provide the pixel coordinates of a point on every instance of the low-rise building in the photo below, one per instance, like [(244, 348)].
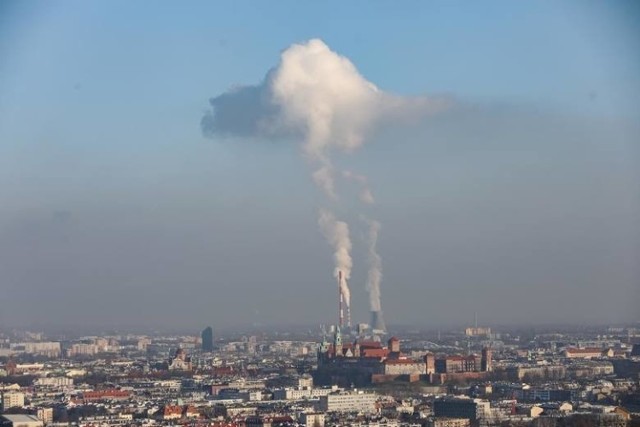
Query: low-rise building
[(587, 353), (354, 401), (20, 420), (449, 422), (313, 419)]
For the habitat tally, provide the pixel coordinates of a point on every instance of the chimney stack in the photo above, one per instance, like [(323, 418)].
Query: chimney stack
[(340, 301)]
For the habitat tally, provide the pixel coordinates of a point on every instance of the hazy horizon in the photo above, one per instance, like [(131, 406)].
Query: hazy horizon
[(166, 167)]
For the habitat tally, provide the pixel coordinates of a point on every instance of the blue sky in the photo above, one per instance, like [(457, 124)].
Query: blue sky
[(100, 103)]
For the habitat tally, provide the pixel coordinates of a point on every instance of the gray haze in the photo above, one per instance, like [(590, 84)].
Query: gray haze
[(520, 215), (128, 200)]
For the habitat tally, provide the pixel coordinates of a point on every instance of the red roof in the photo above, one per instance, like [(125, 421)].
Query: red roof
[(461, 358), (374, 352), (370, 344), (172, 410)]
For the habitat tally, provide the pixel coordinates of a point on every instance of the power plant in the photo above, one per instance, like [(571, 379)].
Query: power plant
[(340, 301), (344, 303), (376, 327)]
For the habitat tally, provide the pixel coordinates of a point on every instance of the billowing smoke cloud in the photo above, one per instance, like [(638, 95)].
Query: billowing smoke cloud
[(337, 234), (374, 276), (318, 97)]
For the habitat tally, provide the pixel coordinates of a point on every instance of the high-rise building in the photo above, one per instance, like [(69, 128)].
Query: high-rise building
[(45, 415), (472, 409), (486, 360), (207, 339), (12, 400)]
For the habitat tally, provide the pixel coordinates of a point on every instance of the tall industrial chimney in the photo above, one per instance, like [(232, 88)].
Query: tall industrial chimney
[(340, 301)]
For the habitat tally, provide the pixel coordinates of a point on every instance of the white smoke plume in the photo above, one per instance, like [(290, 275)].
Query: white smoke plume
[(323, 177), (374, 276), (318, 97), (365, 196), (337, 234)]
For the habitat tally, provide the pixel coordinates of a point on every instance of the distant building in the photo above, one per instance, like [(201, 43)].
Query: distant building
[(12, 399), (48, 349), (256, 421), (207, 339), (180, 362), (348, 401), (82, 349), (453, 364), (363, 362), (171, 412), (430, 363), (20, 420), (45, 415), (471, 409), (458, 364), (449, 422), (587, 353), (305, 380), (477, 332), (544, 395), (143, 343), (404, 367), (108, 394), (313, 419), (53, 382), (177, 412), (486, 361), (529, 373)]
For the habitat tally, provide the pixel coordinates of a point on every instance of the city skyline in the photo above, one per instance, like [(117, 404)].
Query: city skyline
[(517, 199)]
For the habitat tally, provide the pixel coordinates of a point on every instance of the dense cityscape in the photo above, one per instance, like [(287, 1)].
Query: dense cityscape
[(330, 376), (325, 213)]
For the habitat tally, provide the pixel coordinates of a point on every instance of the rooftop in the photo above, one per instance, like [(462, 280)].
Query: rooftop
[(20, 418)]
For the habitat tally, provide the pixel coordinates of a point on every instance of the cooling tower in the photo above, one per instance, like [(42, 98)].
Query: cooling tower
[(377, 322)]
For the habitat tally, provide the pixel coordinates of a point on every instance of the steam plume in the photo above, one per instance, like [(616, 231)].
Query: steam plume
[(337, 234), (365, 196), (374, 276), (319, 98)]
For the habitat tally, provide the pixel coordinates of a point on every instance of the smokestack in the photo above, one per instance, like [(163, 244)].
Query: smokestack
[(340, 301)]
